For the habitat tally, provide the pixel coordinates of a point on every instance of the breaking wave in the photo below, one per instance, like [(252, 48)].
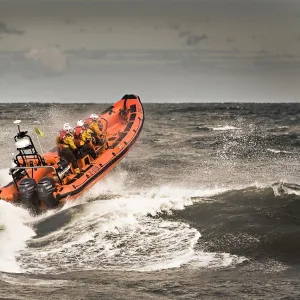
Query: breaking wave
[(278, 151), (226, 127), (13, 235), (121, 232)]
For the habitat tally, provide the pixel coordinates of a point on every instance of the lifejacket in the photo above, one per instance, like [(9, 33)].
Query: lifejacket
[(78, 135), (88, 121), (62, 136)]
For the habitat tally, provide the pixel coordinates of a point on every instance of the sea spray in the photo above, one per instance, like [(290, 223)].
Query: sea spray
[(13, 235), (125, 233)]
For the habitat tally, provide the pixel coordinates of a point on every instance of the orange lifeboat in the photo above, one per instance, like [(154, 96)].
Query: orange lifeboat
[(46, 181)]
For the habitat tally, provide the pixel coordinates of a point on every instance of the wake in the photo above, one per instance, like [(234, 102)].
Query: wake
[(125, 232)]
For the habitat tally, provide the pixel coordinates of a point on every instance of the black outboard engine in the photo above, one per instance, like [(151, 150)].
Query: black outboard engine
[(46, 187), (28, 193)]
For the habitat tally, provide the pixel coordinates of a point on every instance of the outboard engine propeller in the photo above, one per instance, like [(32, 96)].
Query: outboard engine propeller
[(28, 193), (46, 187)]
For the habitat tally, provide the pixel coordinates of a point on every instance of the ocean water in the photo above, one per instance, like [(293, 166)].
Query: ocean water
[(206, 205)]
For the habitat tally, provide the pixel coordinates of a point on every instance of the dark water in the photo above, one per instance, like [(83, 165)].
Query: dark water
[(195, 211)]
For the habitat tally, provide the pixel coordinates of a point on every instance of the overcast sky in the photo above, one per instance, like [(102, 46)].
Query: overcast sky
[(166, 51)]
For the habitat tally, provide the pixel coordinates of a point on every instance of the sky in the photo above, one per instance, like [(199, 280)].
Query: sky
[(165, 51)]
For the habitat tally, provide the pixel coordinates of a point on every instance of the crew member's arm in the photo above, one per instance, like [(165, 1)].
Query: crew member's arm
[(69, 141), (86, 136), (95, 128), (89, 131)]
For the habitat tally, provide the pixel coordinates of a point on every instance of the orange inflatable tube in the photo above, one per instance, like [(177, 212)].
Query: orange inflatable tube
[(42, 182)]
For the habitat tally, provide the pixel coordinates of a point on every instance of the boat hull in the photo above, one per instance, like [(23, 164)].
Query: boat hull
[(122, 123)]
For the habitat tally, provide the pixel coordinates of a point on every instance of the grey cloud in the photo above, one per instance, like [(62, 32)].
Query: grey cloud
[(229, 40), (194, 39), (48, 60), (4, 28)]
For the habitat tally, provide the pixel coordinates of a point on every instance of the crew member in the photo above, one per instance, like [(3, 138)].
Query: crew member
[(82, 138), (93, 124), (66, 146)]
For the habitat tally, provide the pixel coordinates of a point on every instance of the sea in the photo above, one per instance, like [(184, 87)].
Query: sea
[(206, 205)]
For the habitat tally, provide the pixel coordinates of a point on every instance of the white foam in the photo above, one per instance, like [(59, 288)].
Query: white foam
[(277, 151), (26, 281), (286, 188), (5, 178), (226, 127), (13, 235), (119, 234), (114, 234), (110, 185)]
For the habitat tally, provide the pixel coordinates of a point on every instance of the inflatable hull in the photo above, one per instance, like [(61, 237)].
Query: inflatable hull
[(45, 186)]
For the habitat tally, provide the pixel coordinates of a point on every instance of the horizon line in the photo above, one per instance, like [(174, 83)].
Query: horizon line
[(224, 102)]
